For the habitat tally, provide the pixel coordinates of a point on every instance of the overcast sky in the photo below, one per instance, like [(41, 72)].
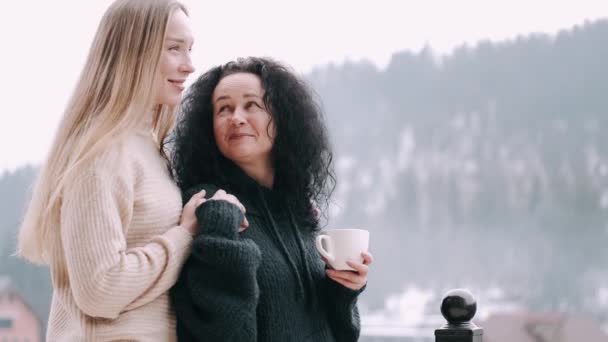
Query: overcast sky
[(44, 43)]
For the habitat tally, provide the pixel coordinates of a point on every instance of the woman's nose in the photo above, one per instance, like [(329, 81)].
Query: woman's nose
[(238, 118)]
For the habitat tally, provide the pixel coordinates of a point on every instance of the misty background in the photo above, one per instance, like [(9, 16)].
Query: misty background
[(485, 168)]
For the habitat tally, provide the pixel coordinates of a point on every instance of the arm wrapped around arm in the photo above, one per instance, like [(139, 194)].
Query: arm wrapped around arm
[(216, 296)]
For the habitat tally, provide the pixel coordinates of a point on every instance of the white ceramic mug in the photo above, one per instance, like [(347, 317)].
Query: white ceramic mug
[(340, 245)]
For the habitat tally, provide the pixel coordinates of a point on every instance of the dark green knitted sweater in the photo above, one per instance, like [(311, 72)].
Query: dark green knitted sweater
[(265, 284)]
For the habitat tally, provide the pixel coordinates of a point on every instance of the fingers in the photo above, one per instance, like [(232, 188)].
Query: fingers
[(368, 258), (188, 219), (200, 201), (244, 225), (222, 195), (200, 194), (345, 283), (356, 279), (349, 276), (347, 279), (197, 198), (360, 269)]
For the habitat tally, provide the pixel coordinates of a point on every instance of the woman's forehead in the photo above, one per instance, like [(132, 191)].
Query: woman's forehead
[(239, 84)]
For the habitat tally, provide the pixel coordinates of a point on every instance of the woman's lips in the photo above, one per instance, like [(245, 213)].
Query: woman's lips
[(236, 136), (179, 84)]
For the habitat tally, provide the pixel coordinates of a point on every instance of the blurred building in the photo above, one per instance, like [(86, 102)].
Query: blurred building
[(18, 322), (535, 327)]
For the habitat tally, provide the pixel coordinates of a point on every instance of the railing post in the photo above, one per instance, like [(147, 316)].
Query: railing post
[(459, 307)]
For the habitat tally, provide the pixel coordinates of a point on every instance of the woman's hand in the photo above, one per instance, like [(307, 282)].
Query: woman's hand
[(354, 280), (222, 195), (188, 219)]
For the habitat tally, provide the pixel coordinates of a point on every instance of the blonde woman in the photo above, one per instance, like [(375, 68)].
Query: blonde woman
[(105, 214)]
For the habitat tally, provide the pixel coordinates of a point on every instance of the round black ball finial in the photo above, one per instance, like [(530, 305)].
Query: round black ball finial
[(458, 306)]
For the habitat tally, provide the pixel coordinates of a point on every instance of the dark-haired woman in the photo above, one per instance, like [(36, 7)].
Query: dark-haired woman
[(252, 135)]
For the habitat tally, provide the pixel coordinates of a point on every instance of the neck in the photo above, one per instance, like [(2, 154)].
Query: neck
[(262, 173), (147, 124)]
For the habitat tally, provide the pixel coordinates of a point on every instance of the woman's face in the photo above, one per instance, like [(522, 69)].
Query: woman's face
[(243, 129), (175, 62)]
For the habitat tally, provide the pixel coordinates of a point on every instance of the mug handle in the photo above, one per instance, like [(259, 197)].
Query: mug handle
[(319, 244)]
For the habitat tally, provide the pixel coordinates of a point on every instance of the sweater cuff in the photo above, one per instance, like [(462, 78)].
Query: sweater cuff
[(219, 218), (344, 294)]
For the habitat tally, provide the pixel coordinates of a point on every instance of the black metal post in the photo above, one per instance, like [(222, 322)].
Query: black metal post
[(459, 307)]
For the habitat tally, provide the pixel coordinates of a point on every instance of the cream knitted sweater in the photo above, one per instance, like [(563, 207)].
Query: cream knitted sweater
[(119, 249)]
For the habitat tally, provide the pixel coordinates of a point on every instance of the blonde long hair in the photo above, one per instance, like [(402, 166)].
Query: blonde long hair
[(112, 97)]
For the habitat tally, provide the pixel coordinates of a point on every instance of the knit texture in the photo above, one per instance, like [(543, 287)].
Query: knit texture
[(119, 248), (265, 284)]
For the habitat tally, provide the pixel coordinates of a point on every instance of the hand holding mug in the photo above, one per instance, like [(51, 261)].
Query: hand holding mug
[(354, 280), (345, 251)]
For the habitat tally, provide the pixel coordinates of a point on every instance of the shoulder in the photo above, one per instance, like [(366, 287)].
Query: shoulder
[(117, 163)]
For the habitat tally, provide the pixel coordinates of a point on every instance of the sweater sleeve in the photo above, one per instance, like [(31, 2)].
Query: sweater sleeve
[(105, 276), (216, 296), (343, 312)]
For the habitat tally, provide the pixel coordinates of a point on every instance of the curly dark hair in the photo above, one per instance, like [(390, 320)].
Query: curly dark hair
[(301, 153)]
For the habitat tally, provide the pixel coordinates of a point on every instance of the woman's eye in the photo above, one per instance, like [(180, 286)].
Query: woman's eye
[(174, 48), (252, 103)]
